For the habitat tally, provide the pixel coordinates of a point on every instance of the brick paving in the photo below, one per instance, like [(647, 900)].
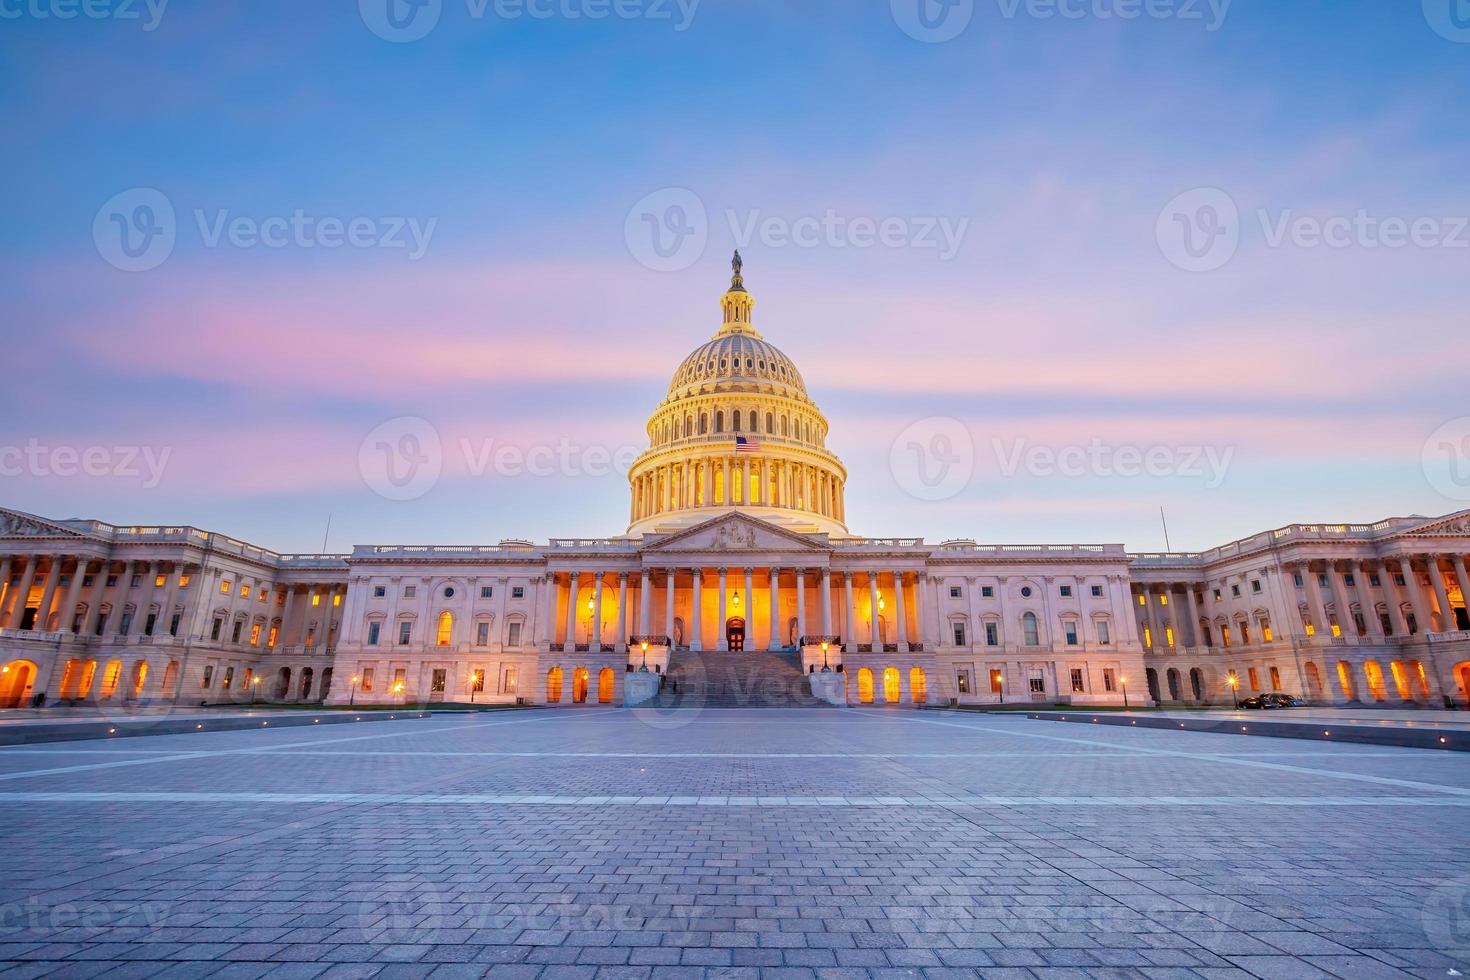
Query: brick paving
[(731, 843)]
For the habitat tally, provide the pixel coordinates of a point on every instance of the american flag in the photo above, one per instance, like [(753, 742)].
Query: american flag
[(744, 445)]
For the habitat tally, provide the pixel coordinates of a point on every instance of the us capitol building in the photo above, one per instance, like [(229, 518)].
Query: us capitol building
[(737, 555)]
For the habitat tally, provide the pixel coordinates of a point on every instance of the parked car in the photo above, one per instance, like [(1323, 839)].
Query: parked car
[(1286, 700), (1268, 702)]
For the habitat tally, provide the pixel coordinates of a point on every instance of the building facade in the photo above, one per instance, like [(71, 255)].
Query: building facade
[(737, 543)]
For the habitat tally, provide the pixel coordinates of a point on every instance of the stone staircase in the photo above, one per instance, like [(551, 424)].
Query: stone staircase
[(736, 680)]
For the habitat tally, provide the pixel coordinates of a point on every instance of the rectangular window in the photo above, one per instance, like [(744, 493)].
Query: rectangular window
[(997, 682), (1097, 591), (152, 621), (482, 633), (173, 624), (1110, 680), (513, 636), (158, 581), (987, 592), (255, 634), (1399, 581), (1348, 580), (1077, 683), (229, 678), (487, 592), (409, 591), (518, 592), (436, 681), (405, 633), (1036, 681), (380, 591), (336, 599), (1374, 580), (111, 581), (992, 635), (959, 634), (125, 624), (224, 586), (367, 679), (236, 631), (245, 681), (1070, 629), (400, 680), (1296, 579), (1255, 679), (955, 592), (135, 581), (208, 677), (1255, 585), (1275, 678), (1066, 592), (477, 681), (1104, 635), (509, 680), (375, 632), (1225, 635), (962, 682), (316, 599), (245, 592), (273, 636)]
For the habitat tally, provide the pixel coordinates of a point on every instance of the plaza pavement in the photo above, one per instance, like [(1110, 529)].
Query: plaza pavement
[(627, 843)]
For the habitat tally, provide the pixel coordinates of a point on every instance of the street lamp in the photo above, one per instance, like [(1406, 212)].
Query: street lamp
[(644, 647), (477, 679), (352, 697), (1234, 683), (1124, 682), (255, 689), (1000, 684), (825, 669)]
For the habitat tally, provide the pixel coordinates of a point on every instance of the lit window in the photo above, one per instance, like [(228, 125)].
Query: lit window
[(436, 681), (1077, 680), (316, 599), (244, 591), (962, 682), (255, 635), (336, 600), (367, 679), (997, 681), (446, 629), (224, 587)]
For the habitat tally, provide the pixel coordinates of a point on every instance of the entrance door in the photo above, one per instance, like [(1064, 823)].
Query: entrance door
[(735, 635)]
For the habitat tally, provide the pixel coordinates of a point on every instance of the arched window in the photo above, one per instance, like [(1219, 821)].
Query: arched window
[(553, 685), (719, 421), (703, 423), (735, 422), (770, 424), (918, 685), (753, 426), (890, 685), (446, 628), (605, 686), (785, 425), (865, 686), (1030, 630), (580, 677)]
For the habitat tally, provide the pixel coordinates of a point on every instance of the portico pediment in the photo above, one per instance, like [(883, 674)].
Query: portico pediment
[(15, 524), (736, 533), (1453, 525)]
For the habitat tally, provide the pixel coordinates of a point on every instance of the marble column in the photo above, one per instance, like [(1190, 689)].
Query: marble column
[(775, 616), (289, 591), (849, 627), (1318, 601), (669, 578), (5, 570), (1436, 578), (722, 637), (571, 643), (1395, 602), (1462, 578), (748, 609), (901, 615), (826, 602), (130, 570), (1340, 599), (874, 635), (595, 645), (48, 594), (166, 611), (696, 615), (73, 597), (16, 604), (645, 603), (620, 639), (1367, 600), (800, 604), (93, 619)]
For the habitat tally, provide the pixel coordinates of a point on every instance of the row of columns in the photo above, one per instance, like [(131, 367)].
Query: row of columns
[(159, 583), (725, 481), (646, 588), (1280, 597)]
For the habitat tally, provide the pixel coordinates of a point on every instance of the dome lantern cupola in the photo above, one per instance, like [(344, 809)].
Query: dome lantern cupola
[(737, 303)]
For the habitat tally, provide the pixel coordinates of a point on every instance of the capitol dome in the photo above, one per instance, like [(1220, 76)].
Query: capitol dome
[(737, 431)]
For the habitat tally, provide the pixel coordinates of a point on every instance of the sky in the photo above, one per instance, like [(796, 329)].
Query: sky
[(1048, 267)]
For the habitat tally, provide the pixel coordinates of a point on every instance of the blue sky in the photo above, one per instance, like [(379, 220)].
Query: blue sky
[(1062, 319)]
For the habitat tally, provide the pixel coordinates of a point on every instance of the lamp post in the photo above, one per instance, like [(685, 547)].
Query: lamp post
[(644, 647), (825, 669), (1124, 682), (477, 678), (1234, 683), (1000, 683), (255, 689)]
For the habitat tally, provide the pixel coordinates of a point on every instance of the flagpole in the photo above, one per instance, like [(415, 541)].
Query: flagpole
[(1165, 521)]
